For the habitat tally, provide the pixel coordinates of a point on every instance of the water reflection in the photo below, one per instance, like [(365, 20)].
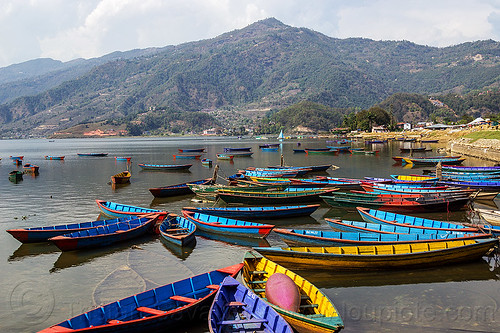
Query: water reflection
[(242, 241), (32, 249), (181, 252)]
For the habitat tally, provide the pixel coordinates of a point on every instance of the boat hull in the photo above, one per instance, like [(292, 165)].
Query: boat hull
[(265, 212)]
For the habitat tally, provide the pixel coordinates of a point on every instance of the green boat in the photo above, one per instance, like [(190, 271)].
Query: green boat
[(209, 192), (15, 176), (274, 197)]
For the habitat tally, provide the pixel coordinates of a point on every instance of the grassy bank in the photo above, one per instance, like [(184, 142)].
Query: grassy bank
[(483, 135)]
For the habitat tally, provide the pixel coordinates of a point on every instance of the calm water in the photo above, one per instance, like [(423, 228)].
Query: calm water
[(42, 286)]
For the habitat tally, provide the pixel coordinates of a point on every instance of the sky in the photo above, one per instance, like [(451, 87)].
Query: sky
[(70, 29)]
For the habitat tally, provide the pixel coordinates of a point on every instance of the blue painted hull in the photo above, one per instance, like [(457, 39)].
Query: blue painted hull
[(154, 310), (265, 212), (235, 308), (120, 210), (177, 230)]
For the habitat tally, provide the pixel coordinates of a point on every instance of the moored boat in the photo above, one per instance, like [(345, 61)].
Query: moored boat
[(152, 310), (262, 212), (236, 309), (222, 225), (461, 168), (377, 257), (316, 311), (164, 167), (15, 176), (49, 157), (177, 189), (191, 150), (432, 161), (206, 162), (490, 215), (275, 197), (121, 210), (121, 178), (31, 168), (269, 149), (227, 157), (92, 154), (177, 230), (123, 158), (187, 156), (41, 234), (242, 149)]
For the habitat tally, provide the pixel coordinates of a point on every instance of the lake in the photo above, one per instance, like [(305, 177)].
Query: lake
[(43, 286)]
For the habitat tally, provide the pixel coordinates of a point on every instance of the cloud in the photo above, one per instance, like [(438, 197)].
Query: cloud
[(66, 30)]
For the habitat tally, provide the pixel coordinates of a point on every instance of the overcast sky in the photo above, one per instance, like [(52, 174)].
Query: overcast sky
[(69, 29)]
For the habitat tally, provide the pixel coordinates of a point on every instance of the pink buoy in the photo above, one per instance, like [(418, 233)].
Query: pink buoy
[(283, 292)]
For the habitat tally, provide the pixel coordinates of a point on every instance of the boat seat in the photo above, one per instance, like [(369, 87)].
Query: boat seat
[(257, 272), (213, 286), (183, 299), (150, 310), (114, 322), (235, 304), (305, 306), (178, 229), (243, 321), (259, 290), (257, 282)]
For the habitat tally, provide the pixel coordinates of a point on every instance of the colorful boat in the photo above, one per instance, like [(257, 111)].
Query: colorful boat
[(123, 158), (177, 189), (31, 168), (238, 309), (299, 171), (363, 152), (400, 158), (310, 168), (316, 311), (92, 154), (383, 217), (269, 145), (341, 184), (164, 167), (242, 154), (414, 178), (271, 174), (376, 257), (15, 176), (15, 158), (48, 157), (375, 141), (210, 192), (177, 230), (230, 227), (206, 162), (42, 234), (229, 149), (120, 210), (491, 186), (300, 151), (414, 149), (432, 161), (121, 178), (429, 141), (191, 150), (490, 215), (225, 157), (275, 197), (107, 234), (320, 151), (251, 213), (187, 156), (299, 237), (462, 168), (152, 310), (269, 149)]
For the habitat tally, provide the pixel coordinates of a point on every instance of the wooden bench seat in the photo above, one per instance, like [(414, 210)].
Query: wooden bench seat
[(183, 299), (150, 310)]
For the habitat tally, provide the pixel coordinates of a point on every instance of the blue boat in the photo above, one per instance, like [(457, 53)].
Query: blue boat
[(153, 310), (177, 230), (178, 189), (358, 226), (380, 216), (457, 168), (164, 167), (269, 174), (493, 186), (298, 237), (250, 213), (107, 234), (42, 234), (191, 150), (269, 149), (237, 309), (120, 210), (230, 227), (310, 168)]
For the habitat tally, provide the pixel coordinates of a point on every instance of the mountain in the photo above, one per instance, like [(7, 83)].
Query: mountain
[(265, 66)]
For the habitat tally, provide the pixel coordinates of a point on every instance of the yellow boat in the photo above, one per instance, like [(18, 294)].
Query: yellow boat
[(121, 178), (414, 178), (397, 256), (317, 313)]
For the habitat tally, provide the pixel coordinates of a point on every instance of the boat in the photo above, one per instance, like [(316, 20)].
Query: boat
[(242, 154), (164, 167), (237, 309), (206, 162), (106, 234), (152, 310), (42, 234), (358, 226), (377, 257), (269, 149), (269, 145), (316, 311), (340, 148), (309, 168), (177, 230), (120, 210), (229, 149), (399, 159), (375, 141), (461, 168), (49, 157), (341, 184), (191, 150), (226, 226), (412, 178), (298, 171), (363, 152), (429, 141), (383, 217), (275, 197), (123, 158), (187, 156), (92, 154), (320, 151), (225, 157), (299, 237), (121, 178), (300, 151), (261, 212), (415, 149), (30, 168), (281, 137), (177, 189), (432, 161), (209, 192), (271, 174), (15, 176), (488, 186), (489, 215), (402, 203), (16, 158)]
